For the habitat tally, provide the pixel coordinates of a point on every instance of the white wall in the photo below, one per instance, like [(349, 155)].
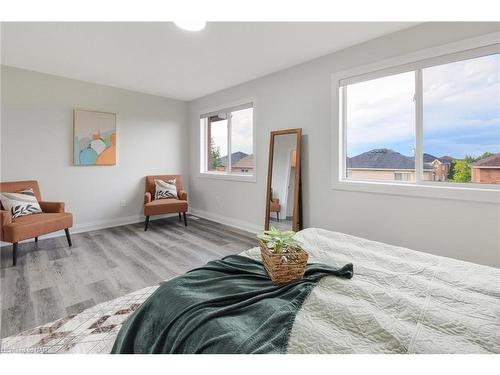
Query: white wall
[(36, 143), (300, 97)]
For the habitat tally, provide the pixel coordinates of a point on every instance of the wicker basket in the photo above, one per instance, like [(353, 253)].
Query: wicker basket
[(280, 270)]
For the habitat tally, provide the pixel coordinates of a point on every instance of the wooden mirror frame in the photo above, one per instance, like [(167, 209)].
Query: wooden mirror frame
[(297, 206)]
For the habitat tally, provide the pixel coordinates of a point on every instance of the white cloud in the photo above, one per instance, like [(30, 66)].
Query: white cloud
[(241, 132), (218, 132), (462, 94), (381, 109), (458, 97)]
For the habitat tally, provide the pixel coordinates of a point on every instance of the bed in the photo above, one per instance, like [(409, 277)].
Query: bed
[(398, 301)]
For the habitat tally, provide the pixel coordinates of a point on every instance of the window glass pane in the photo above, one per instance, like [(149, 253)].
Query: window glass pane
[(380, 131), (242, 161), (461, 104), (217, 143)]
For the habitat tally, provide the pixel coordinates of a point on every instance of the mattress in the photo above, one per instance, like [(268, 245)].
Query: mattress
[(399, 301)]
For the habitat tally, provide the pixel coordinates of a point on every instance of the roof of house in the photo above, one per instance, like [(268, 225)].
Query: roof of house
[(429, 158), (446, 159), (384, 158), (245, 162), (235, 157), (490, 161)]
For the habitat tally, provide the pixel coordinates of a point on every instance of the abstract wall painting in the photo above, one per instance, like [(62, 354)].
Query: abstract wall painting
[(94, 138)]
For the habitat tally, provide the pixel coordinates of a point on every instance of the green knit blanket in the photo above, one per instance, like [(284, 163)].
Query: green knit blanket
[(227, 306)]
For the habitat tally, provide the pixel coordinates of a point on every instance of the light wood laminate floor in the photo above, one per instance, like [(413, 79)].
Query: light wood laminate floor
[(52, 280)]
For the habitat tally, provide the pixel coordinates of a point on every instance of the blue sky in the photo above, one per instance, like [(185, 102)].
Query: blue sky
[(461, 110)]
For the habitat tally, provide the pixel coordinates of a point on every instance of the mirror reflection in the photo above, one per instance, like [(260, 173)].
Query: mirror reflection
[(283, 182)]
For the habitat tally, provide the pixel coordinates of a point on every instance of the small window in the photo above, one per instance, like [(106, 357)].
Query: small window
[(227, 142), (402, 176)]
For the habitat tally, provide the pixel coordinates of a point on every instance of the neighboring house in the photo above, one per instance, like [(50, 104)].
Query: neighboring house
[(235, 158), (240, 162), (244, 165), (441, 170), (487, 170), (385, 164)]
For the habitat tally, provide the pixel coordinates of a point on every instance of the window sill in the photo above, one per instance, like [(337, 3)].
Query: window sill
[(227, 176), (476, 194)]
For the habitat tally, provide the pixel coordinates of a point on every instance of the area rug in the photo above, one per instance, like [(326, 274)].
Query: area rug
[(92, 331)]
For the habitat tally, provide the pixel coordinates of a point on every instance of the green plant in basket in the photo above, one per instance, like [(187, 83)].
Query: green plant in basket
[(279, 241)]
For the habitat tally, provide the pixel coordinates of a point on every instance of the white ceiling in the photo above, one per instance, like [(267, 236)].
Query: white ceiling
[(161, 59)]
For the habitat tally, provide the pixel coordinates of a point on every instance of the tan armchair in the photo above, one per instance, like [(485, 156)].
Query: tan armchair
[(164, 206), (52, 218), (274, 206)]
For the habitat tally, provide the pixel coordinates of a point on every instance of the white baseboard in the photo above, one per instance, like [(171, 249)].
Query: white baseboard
[(232, 222), (96, 225)]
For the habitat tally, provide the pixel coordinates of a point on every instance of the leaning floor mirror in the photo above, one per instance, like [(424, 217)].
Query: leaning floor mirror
[(283, 203)]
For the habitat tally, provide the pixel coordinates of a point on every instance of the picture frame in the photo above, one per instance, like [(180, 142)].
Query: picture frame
[(94, 138)]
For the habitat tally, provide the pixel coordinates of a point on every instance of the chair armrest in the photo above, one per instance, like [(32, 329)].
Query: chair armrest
[(52, 207), (147, 197), (183, 196), (5, 217)]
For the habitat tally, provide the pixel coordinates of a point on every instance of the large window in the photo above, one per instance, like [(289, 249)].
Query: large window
[(227, 142), (433, 122)]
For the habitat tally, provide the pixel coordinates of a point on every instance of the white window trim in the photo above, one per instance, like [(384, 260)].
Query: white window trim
[(429, 189), (201, 159)]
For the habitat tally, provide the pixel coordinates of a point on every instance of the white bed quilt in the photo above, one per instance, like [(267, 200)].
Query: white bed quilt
[(399, 301)]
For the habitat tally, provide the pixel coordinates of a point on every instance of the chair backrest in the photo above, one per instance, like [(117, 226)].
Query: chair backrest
[(150, 182), (15, 186)]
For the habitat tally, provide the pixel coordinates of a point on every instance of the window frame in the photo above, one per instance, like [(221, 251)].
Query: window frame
[(466, 49), (203, 171)]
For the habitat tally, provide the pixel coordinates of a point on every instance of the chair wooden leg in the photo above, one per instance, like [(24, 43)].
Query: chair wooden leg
[(146, 224), (185, 221), (68, 237), (14, 253), (179, 216), (36, 239)]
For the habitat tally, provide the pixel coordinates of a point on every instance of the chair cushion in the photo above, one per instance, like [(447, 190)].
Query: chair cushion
[(165, 206), (21, 203), (30, 226), (165, 189)]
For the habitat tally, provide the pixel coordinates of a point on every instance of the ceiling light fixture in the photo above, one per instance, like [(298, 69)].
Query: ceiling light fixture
[(191, 25)]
